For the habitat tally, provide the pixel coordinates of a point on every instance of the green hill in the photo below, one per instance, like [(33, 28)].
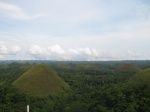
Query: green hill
[(40, 81), (141, 79)]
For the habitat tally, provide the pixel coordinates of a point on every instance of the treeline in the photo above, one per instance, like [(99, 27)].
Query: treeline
[(93, 88)]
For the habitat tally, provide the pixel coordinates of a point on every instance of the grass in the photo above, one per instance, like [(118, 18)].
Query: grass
[(40, 80)]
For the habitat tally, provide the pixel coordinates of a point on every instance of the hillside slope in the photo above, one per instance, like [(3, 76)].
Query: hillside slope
[(40, 81), (141, 79), (127, 68)]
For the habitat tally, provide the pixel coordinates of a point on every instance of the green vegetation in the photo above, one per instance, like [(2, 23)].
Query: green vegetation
[(93, 86), (141, 79), (40, 81)]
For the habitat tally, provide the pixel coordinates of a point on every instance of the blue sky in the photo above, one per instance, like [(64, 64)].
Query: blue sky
[(74, 29)]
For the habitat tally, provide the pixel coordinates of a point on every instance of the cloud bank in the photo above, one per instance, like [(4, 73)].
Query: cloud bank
[(8, 50), (57, 53)]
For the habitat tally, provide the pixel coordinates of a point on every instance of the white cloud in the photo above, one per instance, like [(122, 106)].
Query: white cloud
[(87, 52), (15, 12), (3, 48), (133, 54), (15, 49), (56, 49), (57, 53), (35, 49), (8, 50), (53, 52)]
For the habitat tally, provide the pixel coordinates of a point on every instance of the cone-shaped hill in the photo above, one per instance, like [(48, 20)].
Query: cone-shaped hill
[(40, 80), (140, 79), (127, 68)]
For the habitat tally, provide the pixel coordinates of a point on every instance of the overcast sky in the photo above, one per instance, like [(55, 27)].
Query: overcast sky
[(75, 29)]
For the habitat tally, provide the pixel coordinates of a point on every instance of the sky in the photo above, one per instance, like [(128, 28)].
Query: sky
[(75, 30)]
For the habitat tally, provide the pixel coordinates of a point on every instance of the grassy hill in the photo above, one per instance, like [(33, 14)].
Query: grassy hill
[(141, 79), (40, 81), (127, 68)]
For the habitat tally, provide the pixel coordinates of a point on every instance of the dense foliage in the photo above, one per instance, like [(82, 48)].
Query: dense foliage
[(94, 87)]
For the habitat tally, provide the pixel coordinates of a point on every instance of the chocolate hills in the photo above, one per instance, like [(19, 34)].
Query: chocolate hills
[(141, 79), (40, 80), (127, 68)]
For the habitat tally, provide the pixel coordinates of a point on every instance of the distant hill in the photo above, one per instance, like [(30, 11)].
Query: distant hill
[(141, 79), (127, 68), (26, 66), (40, 80)]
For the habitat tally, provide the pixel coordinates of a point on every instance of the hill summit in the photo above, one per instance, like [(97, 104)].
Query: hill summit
[(40, 80)]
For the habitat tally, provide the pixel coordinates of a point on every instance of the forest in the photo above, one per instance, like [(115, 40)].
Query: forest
[(95, 86)]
